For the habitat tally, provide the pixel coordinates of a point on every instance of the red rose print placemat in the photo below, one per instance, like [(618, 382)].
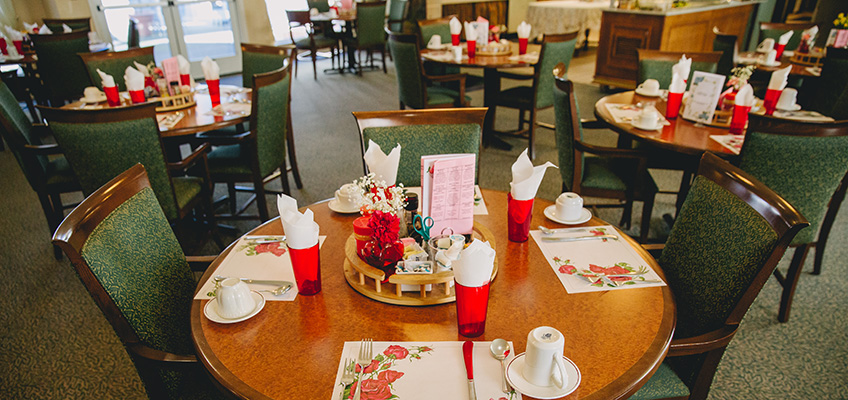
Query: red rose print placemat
[(595, 265), (257, 257), (422, 370)]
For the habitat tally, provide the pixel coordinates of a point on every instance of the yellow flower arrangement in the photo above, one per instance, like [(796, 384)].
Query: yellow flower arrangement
[(841, 21)]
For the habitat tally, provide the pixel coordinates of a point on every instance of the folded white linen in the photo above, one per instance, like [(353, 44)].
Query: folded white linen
[(526, 178), (455, 26), (134, 79), (106, 80), (383, 166), (523, 30), (211, 71), (745, 96), (300, 229), (779, 78), (474, 266)]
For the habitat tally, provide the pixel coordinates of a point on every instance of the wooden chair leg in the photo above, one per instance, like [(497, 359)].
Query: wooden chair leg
[(231, 191), (626, 214), (292, 156), (791, 281), (383, 59), (314, 56), (261, 201), (704, 378), (50, 213), (827, 224), (532, 135), (645, 227)]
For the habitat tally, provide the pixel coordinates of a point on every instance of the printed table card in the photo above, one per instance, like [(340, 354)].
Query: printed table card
[(703, 96)]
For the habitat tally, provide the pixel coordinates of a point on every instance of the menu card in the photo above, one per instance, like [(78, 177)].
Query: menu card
[(703, 96), (424, 370), (596, 265), (479, 204), (731, 142), (171, 69), (447, 191)]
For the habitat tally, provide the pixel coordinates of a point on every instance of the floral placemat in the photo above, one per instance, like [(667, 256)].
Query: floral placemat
[(422, 370), (256, 257), (596, 265), (731, 142), (627, 112)]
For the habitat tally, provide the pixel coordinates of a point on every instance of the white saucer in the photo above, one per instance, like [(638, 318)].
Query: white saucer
[(636, 125), (334, 205), (99, 99), (642, 92), (211, 310), (550, 212), (795, 107), (443, 46), (516, 379), (773, 64)]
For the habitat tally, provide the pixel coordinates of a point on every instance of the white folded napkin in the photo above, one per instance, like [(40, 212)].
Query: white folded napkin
[(745, 96), (470, 32), (30, 28), (106, 80), (435, 42), (383, 166), (526, 178), (44, 30), (66, 28), (141, 68), (811, 33), (784, 38), (678, 85), (211, 71), (134, 79), (301, 229), (771, 57), (12, 50), (683, 67), (474, 266), (524, 30), (185, 66), (482, 29), (455, 26), (14, 34), (779, 78)]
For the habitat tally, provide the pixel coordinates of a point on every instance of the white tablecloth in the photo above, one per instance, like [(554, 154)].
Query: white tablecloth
[(552, 17)]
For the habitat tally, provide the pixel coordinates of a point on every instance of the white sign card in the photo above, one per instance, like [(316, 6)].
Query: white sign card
[(703, 96)]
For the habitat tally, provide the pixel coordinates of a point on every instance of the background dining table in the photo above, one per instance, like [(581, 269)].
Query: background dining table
[(617, 338)]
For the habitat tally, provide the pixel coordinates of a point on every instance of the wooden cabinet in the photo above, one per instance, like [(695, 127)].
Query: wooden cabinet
[(622, 32)]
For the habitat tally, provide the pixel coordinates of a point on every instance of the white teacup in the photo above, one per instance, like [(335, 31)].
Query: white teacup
[(435, 42), (543, 365), (457, 53), (92, 94), (787, 99), (650, 86), (766, 45), (234, 299), (648, 118), (349, 196), (569, 206)]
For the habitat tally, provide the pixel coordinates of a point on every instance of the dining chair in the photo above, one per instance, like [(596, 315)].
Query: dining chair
[(555, 49), (396, 12), (437, 26), (62, 73), (320, 5), (728, 45), (256, 155), (55, 24), (313, 41), (369, 34), (655, 64), (129, 260), (441, 26), (22, 87), (729, 235), (415, 87), (115, 63), (133, 34), (44, 166), (775, 29), (614, 173), (804, 162), (420, 133), (829, 93), (101, 143)]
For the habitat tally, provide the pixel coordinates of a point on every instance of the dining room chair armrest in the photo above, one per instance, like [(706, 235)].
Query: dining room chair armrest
[(510, 75), (197, 155), (200, 263), (702, 343), (42, 149), (610, 151), (593, 124), (159, 356)]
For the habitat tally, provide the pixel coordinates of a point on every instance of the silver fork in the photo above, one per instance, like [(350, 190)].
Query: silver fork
[(363, 360), (348, 375)]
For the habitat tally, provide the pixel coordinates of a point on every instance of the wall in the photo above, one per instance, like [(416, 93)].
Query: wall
[(26, 11), (516, 13)]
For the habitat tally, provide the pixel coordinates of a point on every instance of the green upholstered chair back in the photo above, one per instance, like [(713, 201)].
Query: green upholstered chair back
[(258, 59), (75, 24), (269, 118), (405, 53), (657, 65), (62, 72), (370, 20), (396, 14), (115, 64), (555, 49), (774, 30), (320, 5), (803, 169), (100, 144), (831, 89), (567, 129), (440, 26), (727, 45), (17, 131)]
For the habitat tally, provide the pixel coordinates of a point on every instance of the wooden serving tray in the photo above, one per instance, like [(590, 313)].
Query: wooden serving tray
[(493, 54), (367, 280), (178, 102)]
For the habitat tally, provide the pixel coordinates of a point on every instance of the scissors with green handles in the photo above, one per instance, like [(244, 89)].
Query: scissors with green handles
[(422, 226)]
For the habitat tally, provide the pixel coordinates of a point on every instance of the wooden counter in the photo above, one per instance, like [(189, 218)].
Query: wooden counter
[(687, 29)]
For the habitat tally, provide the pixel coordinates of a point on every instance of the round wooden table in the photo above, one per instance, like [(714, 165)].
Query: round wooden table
[(291, 349)]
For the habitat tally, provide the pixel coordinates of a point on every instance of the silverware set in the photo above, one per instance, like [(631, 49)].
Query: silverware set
[(547, 236), (364, 360), (348, 375)]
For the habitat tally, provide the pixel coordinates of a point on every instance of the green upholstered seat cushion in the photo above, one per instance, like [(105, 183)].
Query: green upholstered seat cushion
[(187, 189), (115, 67), (411, 90), (421, 140), (717, 245), (441, 29), (321, 42), (803, 170), (662, 385), (443, 95), (661, 70), (254, 62)]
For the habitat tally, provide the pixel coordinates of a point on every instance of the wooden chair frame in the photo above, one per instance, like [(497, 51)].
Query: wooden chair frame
[(72, 234), (460, 78), (36, 39), (302, 19), (646, 54), (443, 20), (113, 55), (774, 125), (725, 63), (69, 21), (445, 116), (352, 43)]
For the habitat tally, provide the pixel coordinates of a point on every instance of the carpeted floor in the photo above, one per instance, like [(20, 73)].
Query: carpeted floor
[(54, 342)]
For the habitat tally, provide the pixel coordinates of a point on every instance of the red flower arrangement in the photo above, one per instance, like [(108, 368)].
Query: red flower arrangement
[(385, 249)]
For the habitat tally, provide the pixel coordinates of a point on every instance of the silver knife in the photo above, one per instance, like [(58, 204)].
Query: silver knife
[(577, 238), (264, 282)]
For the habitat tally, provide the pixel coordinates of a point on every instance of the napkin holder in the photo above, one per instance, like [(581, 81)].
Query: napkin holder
[(815, 58)]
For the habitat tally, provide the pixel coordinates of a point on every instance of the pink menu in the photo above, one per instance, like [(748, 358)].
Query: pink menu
[(447, 191)]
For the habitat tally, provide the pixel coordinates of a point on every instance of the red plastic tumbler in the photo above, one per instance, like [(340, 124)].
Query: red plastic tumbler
[(3, 47), (112, 96), (306, 264), (672, 106), (779, 47), (740, 119), (519, 215), (19, 46), (455, 39), (472, 48), (770, 101), (214, 86), (185, 79), (471, 305), (137, 96), (522, 46)]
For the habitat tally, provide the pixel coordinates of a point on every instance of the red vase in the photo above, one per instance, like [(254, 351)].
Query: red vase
[(383, 257)]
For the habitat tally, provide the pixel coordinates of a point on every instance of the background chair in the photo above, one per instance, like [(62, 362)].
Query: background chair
[(22, 88), (613, 173), (115, 63), (774, 30), (55, 24), (728, 237), (256, 155), (100, 144), (829, 93), (556, 49), (396, 12), (728, 45), (422, 132), (654, 64), (62, 73), (804, 163), (133, 34), (314, 41), (320, 5), (369, 34), (127, 257), (48, 177), (414, 89), (438, 26)]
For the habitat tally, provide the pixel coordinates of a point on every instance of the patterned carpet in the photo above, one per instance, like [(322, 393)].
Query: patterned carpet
[(54, 342)]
